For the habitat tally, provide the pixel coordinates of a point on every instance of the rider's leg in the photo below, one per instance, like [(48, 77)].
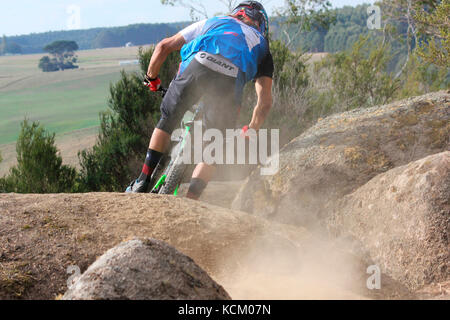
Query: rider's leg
[(158, 144), (200, 179), (221, 114), (160, 140)]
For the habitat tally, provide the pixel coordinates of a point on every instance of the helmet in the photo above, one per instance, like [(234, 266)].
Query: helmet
[(256, 12)]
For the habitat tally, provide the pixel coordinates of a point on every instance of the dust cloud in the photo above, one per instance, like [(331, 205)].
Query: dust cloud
[(276, 269)]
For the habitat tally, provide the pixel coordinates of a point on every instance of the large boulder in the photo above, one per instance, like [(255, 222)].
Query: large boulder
[(402, 219), (145, 270), (343, 152)]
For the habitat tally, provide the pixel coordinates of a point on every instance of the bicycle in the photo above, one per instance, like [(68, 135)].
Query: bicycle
[(169, 173)]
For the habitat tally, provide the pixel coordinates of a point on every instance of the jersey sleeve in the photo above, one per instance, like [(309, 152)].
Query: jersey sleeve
[(193, 31), (266, 68)]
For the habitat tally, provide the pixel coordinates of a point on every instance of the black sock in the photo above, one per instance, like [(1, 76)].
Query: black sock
[(151, 161), (196, 188)]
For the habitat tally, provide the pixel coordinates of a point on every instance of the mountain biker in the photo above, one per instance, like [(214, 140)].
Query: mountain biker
[(219, 55)]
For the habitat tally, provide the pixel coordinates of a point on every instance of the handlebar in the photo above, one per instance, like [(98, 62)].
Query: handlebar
[(163, 91)]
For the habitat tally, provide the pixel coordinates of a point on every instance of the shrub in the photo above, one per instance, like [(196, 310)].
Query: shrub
[(359, 76), (39, 167)]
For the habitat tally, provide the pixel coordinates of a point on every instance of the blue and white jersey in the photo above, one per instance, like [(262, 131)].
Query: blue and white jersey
[(242, 45)]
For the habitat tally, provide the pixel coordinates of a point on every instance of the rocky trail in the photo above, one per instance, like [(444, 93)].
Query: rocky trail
[(364, 189), (42, 235)]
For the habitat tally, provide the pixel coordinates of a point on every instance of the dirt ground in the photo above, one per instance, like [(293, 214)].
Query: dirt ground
[(42, 235)]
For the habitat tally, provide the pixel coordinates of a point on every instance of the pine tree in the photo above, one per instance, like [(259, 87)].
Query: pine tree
[(39, 167), (436, 24)]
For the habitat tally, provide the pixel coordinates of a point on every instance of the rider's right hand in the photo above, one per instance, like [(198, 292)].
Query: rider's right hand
[(152, 84), (244, 132)]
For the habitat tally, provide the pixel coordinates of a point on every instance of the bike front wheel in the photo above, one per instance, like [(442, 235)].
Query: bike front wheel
[(174, 177)]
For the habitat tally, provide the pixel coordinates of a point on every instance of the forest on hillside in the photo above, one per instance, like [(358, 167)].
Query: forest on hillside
[(97, 38), (350, 23)]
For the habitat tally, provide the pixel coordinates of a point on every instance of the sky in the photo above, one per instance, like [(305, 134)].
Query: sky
[(19, 17)]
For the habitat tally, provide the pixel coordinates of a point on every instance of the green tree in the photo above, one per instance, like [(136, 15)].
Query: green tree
[(9, 47), (39, 167), (359, 76), (435, 25), (421, 77), (48, 65), (59, 48), (303, 16), (63, 56), (290, 68), (401, 24), (196, 8), (13, 48)]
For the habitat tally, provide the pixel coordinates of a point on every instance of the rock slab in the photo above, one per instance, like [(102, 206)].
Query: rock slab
[(402, 218), (342, 153)]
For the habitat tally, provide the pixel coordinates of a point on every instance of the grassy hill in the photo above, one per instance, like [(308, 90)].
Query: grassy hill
[(64, 101)]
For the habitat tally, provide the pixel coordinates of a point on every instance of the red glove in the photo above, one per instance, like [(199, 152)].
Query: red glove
[(244, 132), (152, 84)]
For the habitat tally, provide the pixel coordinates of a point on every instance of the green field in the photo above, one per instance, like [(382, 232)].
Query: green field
[(62, 107), (64, 102)]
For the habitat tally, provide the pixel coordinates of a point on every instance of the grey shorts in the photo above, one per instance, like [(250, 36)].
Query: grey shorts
[(217, 91)]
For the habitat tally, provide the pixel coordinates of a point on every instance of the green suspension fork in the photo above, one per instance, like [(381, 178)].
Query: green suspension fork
[(160, 182), (176, 191)]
